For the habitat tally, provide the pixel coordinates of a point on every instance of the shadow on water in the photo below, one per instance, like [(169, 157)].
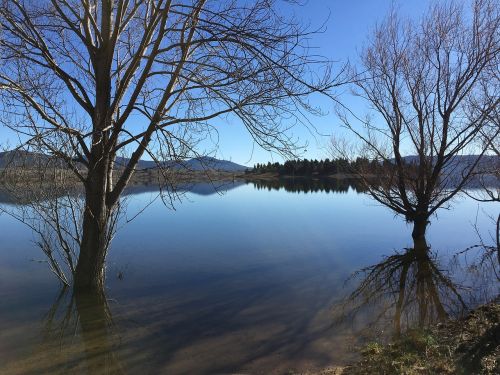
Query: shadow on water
[(213, 334), (264, 318), (238, 328)]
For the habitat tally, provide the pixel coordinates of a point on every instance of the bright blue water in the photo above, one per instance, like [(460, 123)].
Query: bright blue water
[(239, 281)]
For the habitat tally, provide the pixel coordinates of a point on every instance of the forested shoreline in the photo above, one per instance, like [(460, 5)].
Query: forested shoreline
[(326, 167)]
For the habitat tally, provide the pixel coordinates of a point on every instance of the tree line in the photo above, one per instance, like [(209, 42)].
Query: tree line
[(326, 167)]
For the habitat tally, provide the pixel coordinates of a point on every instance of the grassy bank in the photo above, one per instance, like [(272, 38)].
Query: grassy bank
[(465, 346)]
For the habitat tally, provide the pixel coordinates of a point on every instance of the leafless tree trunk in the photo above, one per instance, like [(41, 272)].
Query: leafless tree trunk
[(88, 80), (425, 82), (53, 209)]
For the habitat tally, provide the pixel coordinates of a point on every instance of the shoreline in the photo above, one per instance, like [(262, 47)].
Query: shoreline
[(468, 345)]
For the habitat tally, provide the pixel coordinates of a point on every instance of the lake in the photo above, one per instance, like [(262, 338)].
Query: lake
[(247, 280)]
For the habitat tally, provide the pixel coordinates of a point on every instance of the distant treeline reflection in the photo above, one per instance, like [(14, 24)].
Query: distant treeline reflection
[(310, 185)]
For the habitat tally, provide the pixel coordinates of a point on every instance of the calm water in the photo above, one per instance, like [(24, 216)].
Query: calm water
[(247, 281)]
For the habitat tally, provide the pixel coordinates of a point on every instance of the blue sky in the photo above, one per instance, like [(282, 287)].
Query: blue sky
[(348, 24)]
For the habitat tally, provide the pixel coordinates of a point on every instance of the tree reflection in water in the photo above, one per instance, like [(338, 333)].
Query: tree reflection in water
[(309, 185), (228, 325), (411, 289), (79, 335)]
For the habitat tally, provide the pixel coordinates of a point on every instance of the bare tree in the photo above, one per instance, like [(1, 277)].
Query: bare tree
[(52, 207), (489, 174), (88, 80), (488, 177), (424, 81)]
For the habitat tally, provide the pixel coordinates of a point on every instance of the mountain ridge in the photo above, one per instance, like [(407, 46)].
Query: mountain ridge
[(16, 158)]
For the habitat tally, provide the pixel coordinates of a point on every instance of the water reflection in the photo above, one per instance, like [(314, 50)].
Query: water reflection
[(413, 289), (310, 185), (203, 331), (207, 333), (244, 283), (13, 195), (77, 336)]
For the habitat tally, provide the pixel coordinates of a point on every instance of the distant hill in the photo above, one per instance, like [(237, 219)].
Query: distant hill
[(460, 163), (206, 162), (195, 164), (31, 159), (462, 159), (22, 158)]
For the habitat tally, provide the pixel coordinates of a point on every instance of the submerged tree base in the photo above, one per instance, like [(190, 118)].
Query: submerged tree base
[(465, 346)]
